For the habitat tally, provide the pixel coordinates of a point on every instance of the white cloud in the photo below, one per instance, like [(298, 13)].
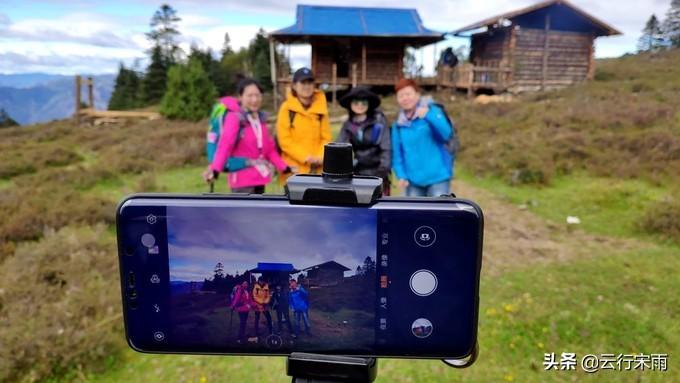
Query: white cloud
[(82, 28)]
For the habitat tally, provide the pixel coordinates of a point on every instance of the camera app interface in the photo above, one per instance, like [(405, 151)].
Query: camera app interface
[(272, 279)]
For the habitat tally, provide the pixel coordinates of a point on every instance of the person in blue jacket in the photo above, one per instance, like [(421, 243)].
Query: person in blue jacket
[(421, 162), (297, 299)]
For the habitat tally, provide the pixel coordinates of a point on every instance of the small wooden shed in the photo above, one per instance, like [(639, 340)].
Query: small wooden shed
[(354, 45), (547, 45)]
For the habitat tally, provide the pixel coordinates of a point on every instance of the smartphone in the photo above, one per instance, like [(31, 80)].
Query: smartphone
[(255, 274)]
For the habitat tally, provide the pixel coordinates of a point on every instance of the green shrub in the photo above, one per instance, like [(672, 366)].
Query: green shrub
[(31, 157), (27, 212), (663, 218), (189, 94)]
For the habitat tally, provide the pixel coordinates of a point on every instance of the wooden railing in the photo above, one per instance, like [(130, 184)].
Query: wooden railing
[(468, 76)]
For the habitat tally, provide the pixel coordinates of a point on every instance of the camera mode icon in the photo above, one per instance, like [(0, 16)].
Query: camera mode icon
[(425, 236), (158, 336), (155, 279)]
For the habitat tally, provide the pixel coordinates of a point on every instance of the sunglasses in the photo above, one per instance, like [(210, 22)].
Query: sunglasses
[(360, 101)]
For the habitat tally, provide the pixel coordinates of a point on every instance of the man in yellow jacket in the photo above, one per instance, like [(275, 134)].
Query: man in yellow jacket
[(303, 126), (262, 297)]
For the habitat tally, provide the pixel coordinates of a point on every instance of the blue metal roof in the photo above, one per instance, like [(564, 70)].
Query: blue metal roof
[(314, 20), (265, 266)]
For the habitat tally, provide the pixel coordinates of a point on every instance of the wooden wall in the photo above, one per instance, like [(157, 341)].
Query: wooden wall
[(489, 49), (383, 60), (569, 58)]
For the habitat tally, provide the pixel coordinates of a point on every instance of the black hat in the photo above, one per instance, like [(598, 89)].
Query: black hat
[(363, 93), (303, 74)]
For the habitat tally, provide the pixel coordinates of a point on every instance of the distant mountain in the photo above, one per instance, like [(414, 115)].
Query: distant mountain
[(28, 100), (29, 80)]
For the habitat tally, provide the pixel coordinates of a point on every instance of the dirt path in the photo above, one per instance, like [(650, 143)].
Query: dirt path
[(515, 238)]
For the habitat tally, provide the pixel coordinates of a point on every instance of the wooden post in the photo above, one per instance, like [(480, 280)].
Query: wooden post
[(77, 99), (439, 72), (334, 82), (354, 75), (400, 64), (90, 92), (471, 80), (511, 60), (272, 64), (363, 62), (546, 48), (591, 59)]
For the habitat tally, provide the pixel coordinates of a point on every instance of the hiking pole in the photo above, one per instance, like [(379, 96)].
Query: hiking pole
[(231, 320), (212, 186)]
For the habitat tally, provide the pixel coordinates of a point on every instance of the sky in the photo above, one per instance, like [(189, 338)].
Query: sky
[(239, 238), (94, 36)]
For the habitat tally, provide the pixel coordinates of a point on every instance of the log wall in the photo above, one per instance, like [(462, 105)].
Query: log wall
[(568, 57)]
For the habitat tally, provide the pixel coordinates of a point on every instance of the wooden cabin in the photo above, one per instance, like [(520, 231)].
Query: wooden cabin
[(353, 45), (545, 46), (326, 274)]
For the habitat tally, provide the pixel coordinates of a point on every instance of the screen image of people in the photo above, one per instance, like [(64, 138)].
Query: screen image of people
[(232, 287)]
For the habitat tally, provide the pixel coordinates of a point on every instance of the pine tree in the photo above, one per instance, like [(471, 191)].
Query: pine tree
[(671, 25), (651, 38), (156, 77), (189, 93), (164, 33), (369, 266), (127, 90), (226, 45), (5, 120), (219, 270), (232, 66), (259, 60), (218, 76)]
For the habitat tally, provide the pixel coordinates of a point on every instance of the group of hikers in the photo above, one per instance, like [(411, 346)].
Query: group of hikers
[(260, 299), (419, 146)]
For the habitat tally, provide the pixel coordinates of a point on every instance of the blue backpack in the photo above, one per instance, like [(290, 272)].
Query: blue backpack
[(216, 121)]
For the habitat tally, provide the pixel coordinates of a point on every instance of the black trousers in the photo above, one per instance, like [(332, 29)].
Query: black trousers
[(283, 314), (257, 321), (242, 320), (249, 190)]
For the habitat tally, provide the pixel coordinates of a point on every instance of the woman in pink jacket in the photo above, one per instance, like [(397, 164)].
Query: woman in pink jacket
[(242, 304), (246, 135)]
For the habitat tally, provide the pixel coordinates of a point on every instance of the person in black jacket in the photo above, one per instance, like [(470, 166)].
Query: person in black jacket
[(367, 130), (282, 308)]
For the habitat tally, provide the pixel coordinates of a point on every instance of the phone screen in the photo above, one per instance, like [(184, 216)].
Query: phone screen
[(267, 277)]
